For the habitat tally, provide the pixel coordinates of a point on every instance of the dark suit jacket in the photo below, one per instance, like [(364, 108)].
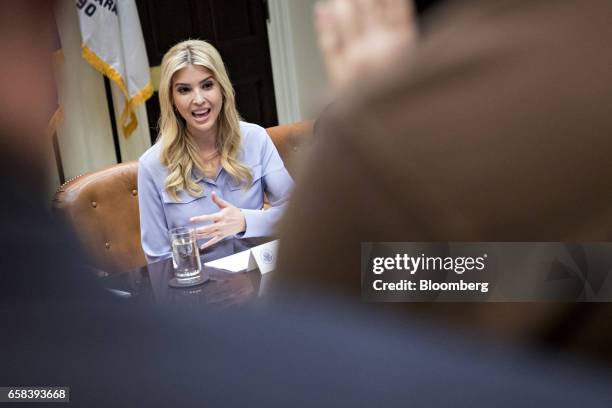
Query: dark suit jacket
[(497, 128)]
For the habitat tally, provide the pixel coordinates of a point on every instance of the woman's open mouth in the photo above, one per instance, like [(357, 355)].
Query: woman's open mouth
[(201, 115)]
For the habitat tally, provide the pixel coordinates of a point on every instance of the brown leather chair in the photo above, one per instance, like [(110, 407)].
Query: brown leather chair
[(102, 206), (288, 139)]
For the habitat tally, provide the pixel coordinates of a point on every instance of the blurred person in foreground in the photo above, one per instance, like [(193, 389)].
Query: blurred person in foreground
[(491, 124), (60, 329)]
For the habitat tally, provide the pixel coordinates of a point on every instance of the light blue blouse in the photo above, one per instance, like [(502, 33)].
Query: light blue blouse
[(159, 212)]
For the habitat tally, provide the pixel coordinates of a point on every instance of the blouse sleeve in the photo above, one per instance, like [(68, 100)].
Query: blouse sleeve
[(277, 185), (153, 228)]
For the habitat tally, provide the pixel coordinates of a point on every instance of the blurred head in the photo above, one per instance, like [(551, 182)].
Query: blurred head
[(26, 80), (196, 99)]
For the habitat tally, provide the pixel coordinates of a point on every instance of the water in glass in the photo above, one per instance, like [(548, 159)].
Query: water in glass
[(186, 257)]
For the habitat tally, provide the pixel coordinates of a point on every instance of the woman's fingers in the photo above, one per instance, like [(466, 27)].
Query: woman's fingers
[(210, 242), (221, 203), (208, 217), (208, 231), (227, 222)]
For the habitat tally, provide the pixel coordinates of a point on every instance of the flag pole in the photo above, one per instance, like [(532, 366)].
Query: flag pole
[(58, 159), (111, 111)]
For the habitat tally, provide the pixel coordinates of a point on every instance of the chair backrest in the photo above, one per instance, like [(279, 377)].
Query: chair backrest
[(288, 139), (102, 207)]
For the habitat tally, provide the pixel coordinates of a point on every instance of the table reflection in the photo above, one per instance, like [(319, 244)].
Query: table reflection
[(149, 284)]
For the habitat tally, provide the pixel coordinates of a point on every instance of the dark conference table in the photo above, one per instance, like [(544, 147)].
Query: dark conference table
[(149, 283)]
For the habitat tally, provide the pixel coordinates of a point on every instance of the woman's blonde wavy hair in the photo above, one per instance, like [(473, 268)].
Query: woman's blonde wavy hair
[(180, 153)]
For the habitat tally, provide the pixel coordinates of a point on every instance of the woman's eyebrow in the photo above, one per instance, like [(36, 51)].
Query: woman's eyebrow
[(202, 81)]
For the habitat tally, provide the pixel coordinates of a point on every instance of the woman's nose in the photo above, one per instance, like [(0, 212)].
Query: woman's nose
[(198, 97)]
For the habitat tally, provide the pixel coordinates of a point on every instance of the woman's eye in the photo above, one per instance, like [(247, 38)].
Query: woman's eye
[(182, 89), (208, 85)]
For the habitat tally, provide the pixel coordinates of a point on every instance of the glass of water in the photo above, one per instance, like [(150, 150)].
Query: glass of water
[(185, 254)]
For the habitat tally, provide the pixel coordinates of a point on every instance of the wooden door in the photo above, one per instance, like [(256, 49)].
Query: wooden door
[(237, 28)]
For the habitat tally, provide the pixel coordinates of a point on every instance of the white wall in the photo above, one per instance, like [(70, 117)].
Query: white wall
[(299, 77), (311, 79)]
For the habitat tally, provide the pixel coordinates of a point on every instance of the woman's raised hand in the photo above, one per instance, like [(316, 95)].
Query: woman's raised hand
[(228, 221)]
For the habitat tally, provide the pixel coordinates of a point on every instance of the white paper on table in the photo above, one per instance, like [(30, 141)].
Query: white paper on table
[(262, 256), (238, 262)]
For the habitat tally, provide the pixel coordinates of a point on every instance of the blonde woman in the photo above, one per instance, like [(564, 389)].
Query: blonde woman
[(207, 168)]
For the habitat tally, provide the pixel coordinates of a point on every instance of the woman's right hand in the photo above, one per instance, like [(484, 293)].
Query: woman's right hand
[(226, 222)]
